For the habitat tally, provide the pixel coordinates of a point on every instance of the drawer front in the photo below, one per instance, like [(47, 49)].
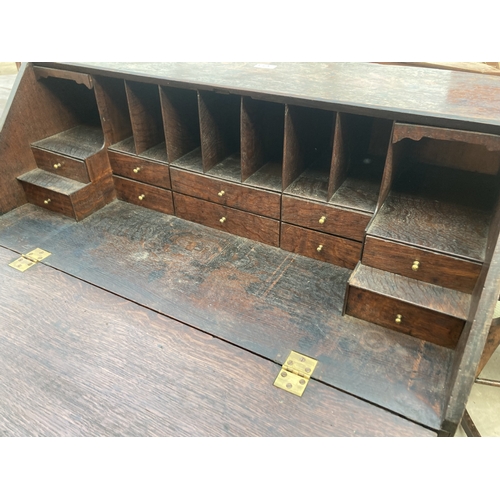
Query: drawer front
[(140, 170), (419, 264), (51, 200), (254, 227), (320, 246), (61, 165), (325, 218), (257, 201), (144, 195), (422, 323)]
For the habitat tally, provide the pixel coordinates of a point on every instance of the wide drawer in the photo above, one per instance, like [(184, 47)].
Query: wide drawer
[(420, 264), (140, 170), (247, 225), (257, 201), (61, 165), (51, 200), (144, 195), (325, 218), (403, 317), (320, 246)]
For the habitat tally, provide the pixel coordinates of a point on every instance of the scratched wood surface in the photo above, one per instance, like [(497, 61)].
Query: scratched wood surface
[(261, 298), (90, 363)]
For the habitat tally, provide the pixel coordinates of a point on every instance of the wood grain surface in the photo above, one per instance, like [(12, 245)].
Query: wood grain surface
[(52, 181), (229, 194), (66, 166), (438, 269), (338, 221), (223, 218), (261, 298), (80, 78), (149, 172), (320, 246), (90, 363)]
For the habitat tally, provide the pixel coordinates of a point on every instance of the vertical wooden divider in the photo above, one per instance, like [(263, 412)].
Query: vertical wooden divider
[(113, 108), (145, 115), (253, 154), (180, 121), (340, 156), (293, 155)]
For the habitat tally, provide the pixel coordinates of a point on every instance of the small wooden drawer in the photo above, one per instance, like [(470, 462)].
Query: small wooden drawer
[(61, 165), (320, 246), (141, 170), (247, 225), (325, 218), (403, 317), (249, 199), (51, 200), (439, 269), (144, 195)]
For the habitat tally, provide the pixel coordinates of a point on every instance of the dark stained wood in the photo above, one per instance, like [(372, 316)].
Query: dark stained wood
[(149, 172), (98, 165), (93, 197), (320, 246), (268, 177), (262, 136), (229, 168), (126, 146), (435, 268), (61, 165), (227, 219), (492, 342), (219, 126), (79, 142), (340, 156), (180, 121), (192, 161), (439, 209), (46, 198), (341, 222), (256, 296), (81, 78), (56, 183), (113, 109), (154, 198), (232, 195), (308, 150), (145, 115), (468, 426), (157, 153), (92, 364)]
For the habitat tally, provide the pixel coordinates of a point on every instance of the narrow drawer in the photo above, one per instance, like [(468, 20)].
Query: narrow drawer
[(249, 199), (325, 218), (140, 170), (247, 225), (61, 165), (144, 195), (51, 200), (406, 318), (320, 246), (419, 264)]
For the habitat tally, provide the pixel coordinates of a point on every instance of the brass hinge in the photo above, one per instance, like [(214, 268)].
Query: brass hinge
[(29, 260), (295, 373)]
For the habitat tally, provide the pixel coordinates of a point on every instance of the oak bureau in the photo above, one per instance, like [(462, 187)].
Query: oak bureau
[(348, 212)]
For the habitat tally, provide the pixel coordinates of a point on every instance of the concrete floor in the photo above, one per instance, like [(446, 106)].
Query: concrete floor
[(484, 401)]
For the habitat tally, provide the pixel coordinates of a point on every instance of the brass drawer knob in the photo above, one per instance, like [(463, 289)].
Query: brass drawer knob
[(222, 220), (398, 319), (137, 170), (142, 196), (221, 193), (415, 265), (319, 248), (322, 219), (57, 165), (47, 201)]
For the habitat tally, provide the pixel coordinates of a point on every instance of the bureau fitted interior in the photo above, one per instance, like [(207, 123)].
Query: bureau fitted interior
[(395, 217)]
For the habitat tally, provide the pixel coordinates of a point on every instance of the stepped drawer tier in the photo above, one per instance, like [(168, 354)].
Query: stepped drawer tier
[(249, 199), (247, 225), (320, 246), (144, 195), (139, 169), (51, 200), (61, 165), (439, 269), (324, 217)]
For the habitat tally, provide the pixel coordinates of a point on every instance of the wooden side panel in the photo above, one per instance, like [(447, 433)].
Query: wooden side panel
[(32, 113), (340, 156), (320, 246), (145, 115), (227, 219), (180, 121), (93, 197), (492, 343)]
